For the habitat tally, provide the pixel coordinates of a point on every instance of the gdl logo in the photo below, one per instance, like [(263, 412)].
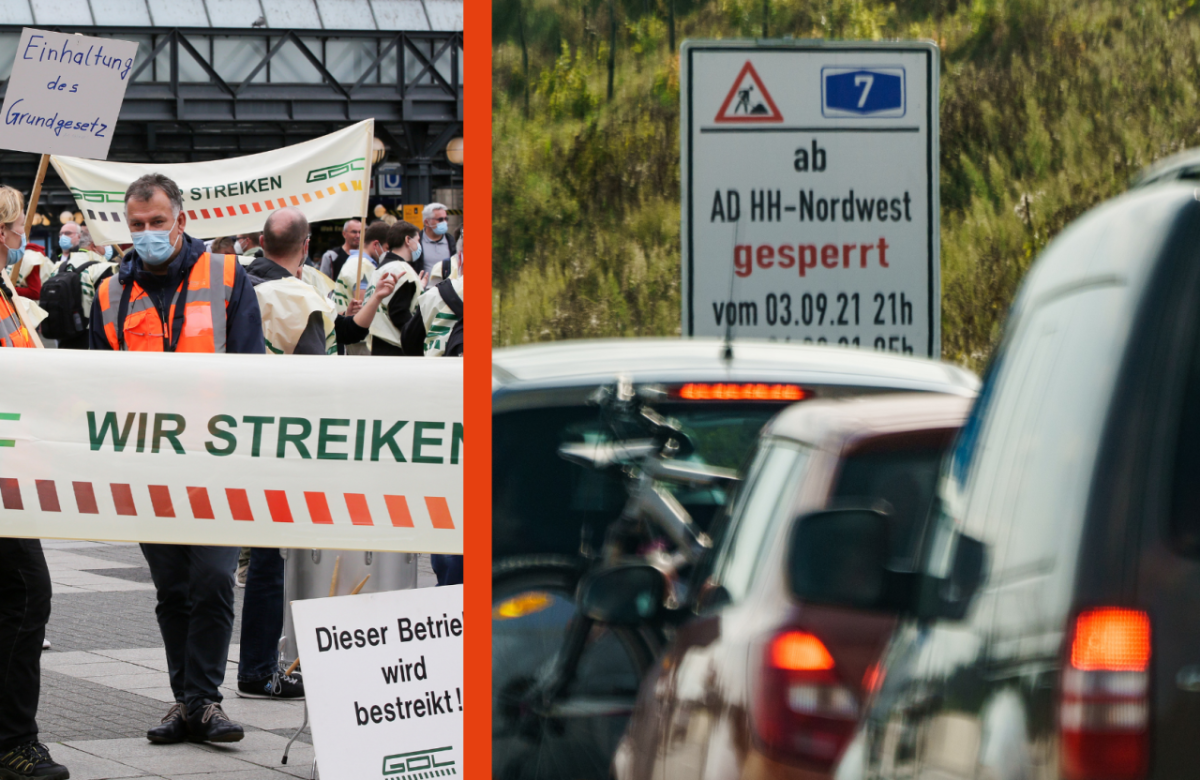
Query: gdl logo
[(420, 764), (863, 92)]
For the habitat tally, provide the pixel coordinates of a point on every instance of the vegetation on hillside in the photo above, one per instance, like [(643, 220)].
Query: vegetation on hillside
[(1047, 107)]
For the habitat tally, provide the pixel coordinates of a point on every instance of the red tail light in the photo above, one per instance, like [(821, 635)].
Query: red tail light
[(802, 710), (1104, 714)]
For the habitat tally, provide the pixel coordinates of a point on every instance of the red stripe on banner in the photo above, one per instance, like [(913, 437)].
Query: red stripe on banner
[(398, 509), (439, 513), (201, 506), (283, 203), (123, 498), (295, 200), (160, 499), (306, 196), (242, 206), (204, 213), (217, 211), (47, 495), (269, 204), (318, 508), (278, 504), (239, 504), (191, 214), (360, 513), (85, 498), (256, 206), (10, 493)]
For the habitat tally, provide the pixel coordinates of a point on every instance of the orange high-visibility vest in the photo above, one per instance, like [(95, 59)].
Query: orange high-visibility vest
[(12, 332), (209, 288)]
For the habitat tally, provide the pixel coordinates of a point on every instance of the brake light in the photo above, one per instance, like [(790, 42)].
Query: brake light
[(1104, 712), (802, 710), (733, 391)]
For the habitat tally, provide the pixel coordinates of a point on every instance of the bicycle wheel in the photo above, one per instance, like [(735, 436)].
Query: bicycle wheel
[(533, 602)]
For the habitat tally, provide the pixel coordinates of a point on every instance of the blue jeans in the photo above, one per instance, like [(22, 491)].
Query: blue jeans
[(448, 568), (262, 615), (195, 615)]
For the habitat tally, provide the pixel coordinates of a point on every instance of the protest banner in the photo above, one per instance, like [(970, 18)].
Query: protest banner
[(248, 450), (383, 679), (65, 93), (326, 178)]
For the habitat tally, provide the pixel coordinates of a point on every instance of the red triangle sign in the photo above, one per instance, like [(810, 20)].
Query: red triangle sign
[(753, 104)]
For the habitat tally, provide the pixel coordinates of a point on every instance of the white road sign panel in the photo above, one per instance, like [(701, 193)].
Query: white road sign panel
[(810, 199)]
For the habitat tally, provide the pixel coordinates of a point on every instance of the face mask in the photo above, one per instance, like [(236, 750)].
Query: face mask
[(237, 247), (153, 246), (65, 243), (441, 228), (15, 255), (108, 253), (416, 253)]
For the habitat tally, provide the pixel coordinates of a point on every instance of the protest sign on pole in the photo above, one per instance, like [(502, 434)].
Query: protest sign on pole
[(383, 679), (65, 93), (247, 450), (326, 178)]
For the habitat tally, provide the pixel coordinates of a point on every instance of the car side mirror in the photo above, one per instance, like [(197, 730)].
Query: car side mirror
[(839, 557), (629, 593), (955, 592)]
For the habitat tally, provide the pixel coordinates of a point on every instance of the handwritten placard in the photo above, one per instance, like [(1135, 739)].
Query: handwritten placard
[(65, 93)]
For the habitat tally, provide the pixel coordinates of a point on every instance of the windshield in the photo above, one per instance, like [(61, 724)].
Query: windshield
[(540, 502)]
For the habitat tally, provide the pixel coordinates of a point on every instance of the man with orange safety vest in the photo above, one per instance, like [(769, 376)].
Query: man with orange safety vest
[(171, 295)]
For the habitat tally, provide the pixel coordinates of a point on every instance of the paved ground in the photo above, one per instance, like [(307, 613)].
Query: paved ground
[(104, 680)]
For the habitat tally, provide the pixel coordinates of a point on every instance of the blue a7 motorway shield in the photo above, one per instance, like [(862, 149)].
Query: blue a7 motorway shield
[(862, 92)]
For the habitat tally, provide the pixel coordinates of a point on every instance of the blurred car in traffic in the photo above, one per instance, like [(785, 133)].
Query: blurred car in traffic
[(549, 514), (757, 684), (1049, 629)]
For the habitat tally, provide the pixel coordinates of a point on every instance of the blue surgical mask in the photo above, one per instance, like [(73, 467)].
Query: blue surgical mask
[(15, 255), (416, 253), (441, 228), (153, 246), (65, 243), (108, 253)]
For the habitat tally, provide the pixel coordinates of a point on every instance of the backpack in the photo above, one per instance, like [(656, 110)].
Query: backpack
[(62, 298), (412, 335)]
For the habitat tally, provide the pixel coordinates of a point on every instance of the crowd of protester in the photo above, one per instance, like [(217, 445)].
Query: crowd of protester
[(390, 288)]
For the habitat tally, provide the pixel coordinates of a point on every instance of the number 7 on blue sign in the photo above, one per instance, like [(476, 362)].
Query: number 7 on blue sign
[(860, 92)]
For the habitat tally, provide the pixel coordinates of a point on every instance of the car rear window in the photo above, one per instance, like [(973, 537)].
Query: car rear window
[(540, 502)]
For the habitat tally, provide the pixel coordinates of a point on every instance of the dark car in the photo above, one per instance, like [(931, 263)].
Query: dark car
[(546, 510), (1050, 629), (758, 685)]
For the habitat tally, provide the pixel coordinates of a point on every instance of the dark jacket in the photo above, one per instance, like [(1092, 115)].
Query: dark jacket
[(243, 323), (312, 341)]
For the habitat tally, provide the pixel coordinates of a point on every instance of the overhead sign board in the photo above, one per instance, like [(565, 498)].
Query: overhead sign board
[(388, 177), (65, 93), (810, 193)]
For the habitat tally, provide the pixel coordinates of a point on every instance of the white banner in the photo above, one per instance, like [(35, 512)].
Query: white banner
[(383, 677), (249, 450), (326, 178), (65, 93)]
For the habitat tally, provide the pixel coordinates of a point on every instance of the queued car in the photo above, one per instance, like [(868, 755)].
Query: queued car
[(758, 684), (547, 512), (1049, 627)]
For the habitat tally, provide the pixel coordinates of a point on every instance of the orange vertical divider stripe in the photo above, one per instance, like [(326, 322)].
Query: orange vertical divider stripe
[(476, 521)]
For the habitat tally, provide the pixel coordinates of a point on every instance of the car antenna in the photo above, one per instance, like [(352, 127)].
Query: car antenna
[(727, 346)]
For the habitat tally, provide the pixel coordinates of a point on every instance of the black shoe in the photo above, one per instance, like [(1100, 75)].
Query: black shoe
[(210, 724), (277, 686), (174, 727), (31, 760)]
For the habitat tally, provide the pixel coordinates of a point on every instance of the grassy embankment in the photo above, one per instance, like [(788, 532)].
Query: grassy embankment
[(1047, 107)]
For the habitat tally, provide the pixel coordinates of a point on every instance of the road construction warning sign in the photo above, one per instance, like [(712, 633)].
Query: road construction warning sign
[(810, 200), (753, 101)]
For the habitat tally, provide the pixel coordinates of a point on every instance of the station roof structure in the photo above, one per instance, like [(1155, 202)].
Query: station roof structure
[(221, 78)]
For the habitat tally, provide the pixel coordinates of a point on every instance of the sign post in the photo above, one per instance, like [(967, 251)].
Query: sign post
[(810, 193)]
